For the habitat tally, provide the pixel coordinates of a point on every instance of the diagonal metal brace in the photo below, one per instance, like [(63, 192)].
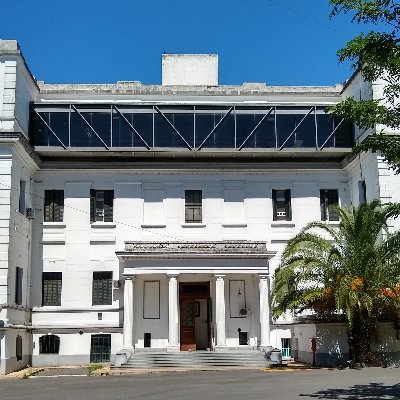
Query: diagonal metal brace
[(130, 126), (172, 126), (51, 130), (295, 128), (89, 126), (333, 132), (215, 128), (256, 127)]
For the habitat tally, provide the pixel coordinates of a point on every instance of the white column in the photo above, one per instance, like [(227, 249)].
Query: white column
[(128, 313), (173, 321), (220, 310), (264, 311)]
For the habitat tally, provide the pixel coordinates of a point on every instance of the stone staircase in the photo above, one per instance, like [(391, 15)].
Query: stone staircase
[(197, 360)]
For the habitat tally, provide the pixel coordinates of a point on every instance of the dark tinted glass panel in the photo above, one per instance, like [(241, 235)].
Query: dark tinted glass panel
[(125, 136), (224, 135), (262, 137), (101, 123), (81, 134), (165, 135), (325, 128), (305, 132), (184, 124), (59, 124), (285, 123), (205, 123), (344, 135), (43, 135)]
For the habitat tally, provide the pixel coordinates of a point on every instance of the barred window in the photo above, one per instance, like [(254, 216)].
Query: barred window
[(19, 273), (100, 348), (102, 288), (193, 206), (281, 201), (329, 198), (101, 205), (49, 344), (51, 288), (18, 348), (53, 205)]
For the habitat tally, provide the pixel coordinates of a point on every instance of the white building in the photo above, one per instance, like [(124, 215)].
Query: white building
[(153, 216)]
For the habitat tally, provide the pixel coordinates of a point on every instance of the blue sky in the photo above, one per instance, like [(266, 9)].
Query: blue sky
[(280, 42)]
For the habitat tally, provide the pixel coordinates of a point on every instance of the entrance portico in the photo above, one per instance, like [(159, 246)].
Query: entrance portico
[(235, 309)]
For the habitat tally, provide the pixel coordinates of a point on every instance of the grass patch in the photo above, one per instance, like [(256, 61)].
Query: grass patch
[(94, 367)]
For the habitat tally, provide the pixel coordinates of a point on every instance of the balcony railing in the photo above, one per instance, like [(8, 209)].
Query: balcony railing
[(189, 128)]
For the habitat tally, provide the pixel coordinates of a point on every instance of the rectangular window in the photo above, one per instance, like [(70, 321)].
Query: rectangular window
[(100, 348), (328, 198), (101, 205), (362, 192), (193, 206), (22, 194), (18, 285), (102, 288), (51, 288), (281, 201), (53, 205), (49, 344)]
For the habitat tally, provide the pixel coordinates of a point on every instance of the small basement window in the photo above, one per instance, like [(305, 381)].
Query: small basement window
[(49, 344)]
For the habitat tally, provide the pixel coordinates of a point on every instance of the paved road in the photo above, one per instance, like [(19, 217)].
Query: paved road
[(367, 384)]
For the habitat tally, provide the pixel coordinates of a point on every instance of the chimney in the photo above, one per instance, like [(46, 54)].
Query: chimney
[(190, 69)]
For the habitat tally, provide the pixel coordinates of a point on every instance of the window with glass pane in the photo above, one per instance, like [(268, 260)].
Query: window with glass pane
[(281, 205), (329, 198), (100, 348), (53, 205), (49, 344), (102, 288), (101, 205), (51, 288), (193, 206), (18, 285)]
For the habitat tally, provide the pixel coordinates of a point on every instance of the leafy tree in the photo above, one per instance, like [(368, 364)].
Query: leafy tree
[(351, 271), (377, 56)]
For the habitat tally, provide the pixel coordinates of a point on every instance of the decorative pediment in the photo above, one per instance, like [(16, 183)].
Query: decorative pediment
[(217, 247)]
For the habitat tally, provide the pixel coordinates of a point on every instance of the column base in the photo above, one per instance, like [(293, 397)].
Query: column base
[(173, 349), (220, 348)]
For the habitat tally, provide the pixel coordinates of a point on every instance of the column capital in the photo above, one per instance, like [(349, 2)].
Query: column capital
[(172, 276), (130, 278), (219, 277), (263, 276)]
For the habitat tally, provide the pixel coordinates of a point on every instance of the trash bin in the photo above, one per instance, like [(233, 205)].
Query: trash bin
[(275, 356)]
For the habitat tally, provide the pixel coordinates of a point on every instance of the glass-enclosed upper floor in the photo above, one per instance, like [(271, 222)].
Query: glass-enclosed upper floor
[(190, 128)]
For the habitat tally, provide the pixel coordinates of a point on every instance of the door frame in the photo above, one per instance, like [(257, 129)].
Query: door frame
[(194, 296)]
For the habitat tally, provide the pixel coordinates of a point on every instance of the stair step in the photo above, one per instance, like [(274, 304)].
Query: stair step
[(197, 359)]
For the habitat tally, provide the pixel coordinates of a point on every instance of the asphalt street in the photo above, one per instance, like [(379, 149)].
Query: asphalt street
[(371, 383)]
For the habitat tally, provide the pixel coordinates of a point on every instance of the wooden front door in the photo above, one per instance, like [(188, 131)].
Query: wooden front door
[(188, 340)]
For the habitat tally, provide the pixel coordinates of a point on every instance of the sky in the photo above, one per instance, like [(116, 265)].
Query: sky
[(279, 42)]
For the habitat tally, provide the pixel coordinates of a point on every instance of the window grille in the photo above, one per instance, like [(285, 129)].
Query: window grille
[(329, 198), (102, 288), (51, 288), (193, 206), (101, 205), (100, 348), (49, 344), (281, 200), (53, 205), (18, 285)]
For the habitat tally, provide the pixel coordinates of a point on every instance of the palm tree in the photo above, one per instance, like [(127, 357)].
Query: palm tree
[(352, 270)]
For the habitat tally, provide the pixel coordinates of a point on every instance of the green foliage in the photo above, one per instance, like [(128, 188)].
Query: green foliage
[(352, 270), (94, 367), (377, 56)]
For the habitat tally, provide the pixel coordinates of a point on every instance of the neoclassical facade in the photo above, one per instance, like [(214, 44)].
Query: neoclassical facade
[(140, 218)]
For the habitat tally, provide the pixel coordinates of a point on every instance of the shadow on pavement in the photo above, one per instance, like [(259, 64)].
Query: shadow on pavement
[(360, 392)]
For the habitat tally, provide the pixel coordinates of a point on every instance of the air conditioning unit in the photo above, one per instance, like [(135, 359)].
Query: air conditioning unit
[(117, 284), (30, 213), (244, 312)]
